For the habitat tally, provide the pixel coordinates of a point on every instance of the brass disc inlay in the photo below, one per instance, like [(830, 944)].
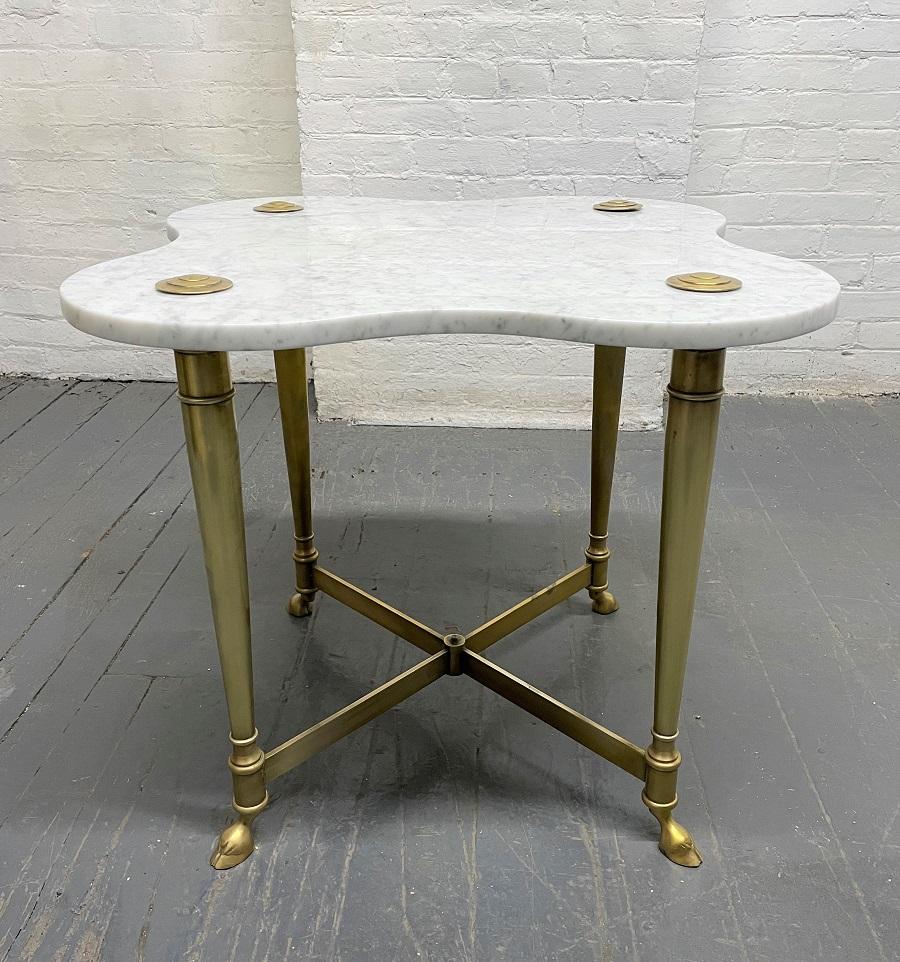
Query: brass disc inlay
[(618, 204), (704, 282), (194, 284), (278, 207)]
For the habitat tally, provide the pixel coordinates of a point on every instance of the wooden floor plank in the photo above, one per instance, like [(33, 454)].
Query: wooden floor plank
[(28, 399), (456, 826), (40, 843), (80, 448), (36, 441), (114, 520)]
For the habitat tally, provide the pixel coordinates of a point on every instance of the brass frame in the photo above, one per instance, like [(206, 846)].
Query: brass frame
[(206, 393)]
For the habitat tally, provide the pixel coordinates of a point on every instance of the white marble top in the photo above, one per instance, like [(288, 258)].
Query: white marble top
[(347, 268)]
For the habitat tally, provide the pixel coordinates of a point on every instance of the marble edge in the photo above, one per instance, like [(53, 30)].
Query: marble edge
[(702, 335)]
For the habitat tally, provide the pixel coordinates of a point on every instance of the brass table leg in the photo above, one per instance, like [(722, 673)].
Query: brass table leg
[(695, 393), (609, 366), (290, 372), (205, 392)]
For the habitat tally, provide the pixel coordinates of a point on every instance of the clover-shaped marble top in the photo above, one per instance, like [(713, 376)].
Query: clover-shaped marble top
[(348, 268)]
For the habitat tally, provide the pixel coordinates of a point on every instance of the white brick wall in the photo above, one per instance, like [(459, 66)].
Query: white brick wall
[(796, 141), (471, 98), (795, 138), (113, 113)]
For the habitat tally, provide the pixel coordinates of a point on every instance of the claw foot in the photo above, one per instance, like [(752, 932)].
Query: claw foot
[(299, 606), (604, 602), (233, 846)]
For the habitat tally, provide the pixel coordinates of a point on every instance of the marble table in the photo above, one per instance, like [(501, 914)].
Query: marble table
[(285, 275)]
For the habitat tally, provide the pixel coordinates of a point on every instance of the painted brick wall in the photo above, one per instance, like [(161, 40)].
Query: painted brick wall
[(113, 114), (795, 140), (470, 98), (797, 143)]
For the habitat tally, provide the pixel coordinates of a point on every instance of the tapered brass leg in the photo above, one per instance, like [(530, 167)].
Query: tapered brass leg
[(695, 393), (290, 372), (205, 391), (609, 366)]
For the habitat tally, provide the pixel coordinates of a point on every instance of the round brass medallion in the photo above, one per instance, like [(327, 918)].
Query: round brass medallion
[(194, 284), (278, 207), (618, 205), (704, 282)]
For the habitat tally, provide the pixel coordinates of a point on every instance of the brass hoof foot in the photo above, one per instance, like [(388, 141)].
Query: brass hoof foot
[(675, 841), (234, 845), (604, 603), (299, 606), (677, 844)]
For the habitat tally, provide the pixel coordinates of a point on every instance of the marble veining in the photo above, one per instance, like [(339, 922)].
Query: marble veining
[(350, 268)]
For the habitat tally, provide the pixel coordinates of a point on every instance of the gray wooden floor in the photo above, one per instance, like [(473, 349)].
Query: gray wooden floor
[(456, 827)]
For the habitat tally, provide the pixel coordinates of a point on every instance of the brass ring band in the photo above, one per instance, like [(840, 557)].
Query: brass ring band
[(250, 769), (306, 558), (684, 396), (205, 401), (249, 811), (598, 555), (658, 765), (244, 742), (661, 807), (663, 738)]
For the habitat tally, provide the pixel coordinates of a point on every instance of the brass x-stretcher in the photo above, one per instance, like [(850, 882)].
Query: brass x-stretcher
[(454, 654)]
